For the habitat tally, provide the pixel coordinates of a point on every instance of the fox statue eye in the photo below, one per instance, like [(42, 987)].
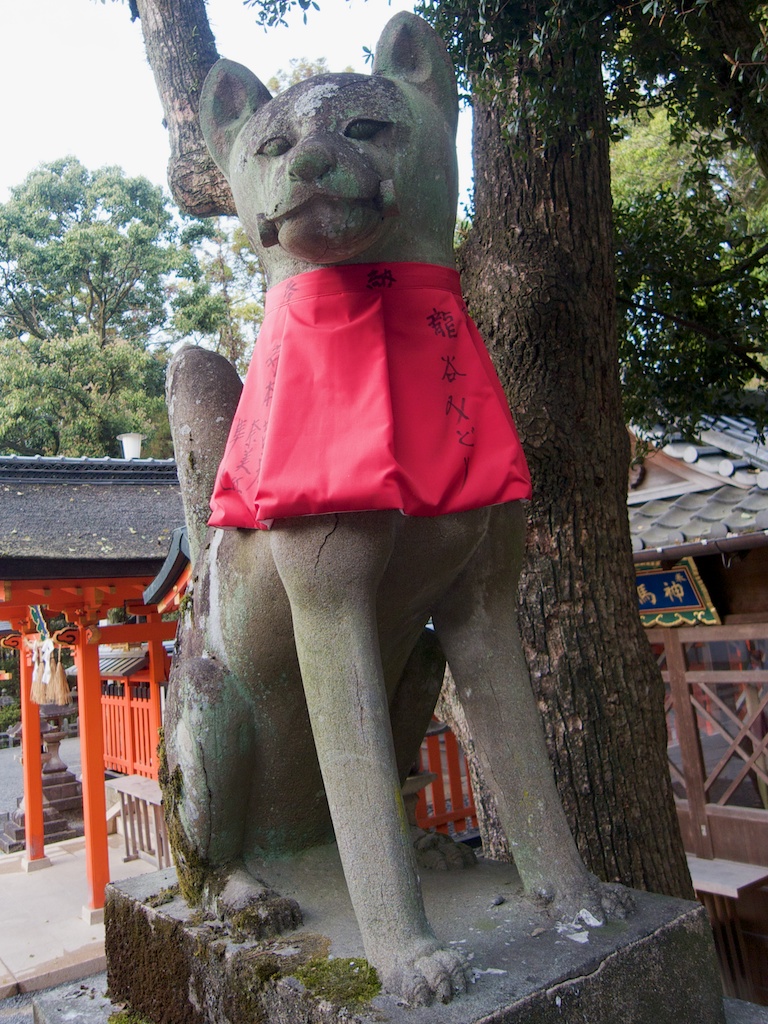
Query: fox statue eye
[(274, 147), (363, 129)]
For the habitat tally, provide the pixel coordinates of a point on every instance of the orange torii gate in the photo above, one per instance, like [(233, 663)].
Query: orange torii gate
[(83, 603)]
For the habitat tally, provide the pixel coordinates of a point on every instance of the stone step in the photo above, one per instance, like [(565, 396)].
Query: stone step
[(57, 790), (66, 803), (86, 1001), (656, 967)]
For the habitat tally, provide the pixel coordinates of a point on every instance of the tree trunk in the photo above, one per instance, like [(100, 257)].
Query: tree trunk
[(181, 50), (538, 276)]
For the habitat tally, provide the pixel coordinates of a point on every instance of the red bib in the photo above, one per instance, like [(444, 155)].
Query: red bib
[(369, 388)]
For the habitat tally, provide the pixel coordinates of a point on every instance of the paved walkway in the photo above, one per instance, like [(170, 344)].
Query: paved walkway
[(46, 938)]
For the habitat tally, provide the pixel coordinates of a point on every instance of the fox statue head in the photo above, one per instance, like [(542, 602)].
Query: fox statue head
[(343, 168)]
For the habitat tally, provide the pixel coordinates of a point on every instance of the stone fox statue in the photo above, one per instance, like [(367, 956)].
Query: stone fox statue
[(369, 479)]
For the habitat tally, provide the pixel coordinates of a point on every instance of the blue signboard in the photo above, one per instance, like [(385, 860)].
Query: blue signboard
[(673, 597)]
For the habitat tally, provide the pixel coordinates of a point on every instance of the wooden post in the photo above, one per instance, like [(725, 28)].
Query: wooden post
[(34, 855), (128, 728), (690, 744), (92, 760)]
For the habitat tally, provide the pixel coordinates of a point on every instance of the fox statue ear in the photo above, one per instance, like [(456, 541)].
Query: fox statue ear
[(230, 95), (410, 50)]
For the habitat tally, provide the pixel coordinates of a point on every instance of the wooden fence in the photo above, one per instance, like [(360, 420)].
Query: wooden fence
[(447, 804), (717, 734), (129, 745), (717, 725)]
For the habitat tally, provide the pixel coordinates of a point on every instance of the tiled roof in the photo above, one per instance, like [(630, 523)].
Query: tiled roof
[(40, 469), (714, 492), (86, 512)]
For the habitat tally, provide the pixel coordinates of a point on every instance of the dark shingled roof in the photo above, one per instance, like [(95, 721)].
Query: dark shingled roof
[(714, 493), (86, 517)]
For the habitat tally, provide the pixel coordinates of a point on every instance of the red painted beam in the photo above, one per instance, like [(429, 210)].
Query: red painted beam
[(133, 632)]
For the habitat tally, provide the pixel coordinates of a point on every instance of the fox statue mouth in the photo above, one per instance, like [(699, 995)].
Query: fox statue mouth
[(324, 228)]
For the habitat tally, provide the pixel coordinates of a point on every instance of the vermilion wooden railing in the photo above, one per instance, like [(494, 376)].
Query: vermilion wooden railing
[(129, 744), (447, 804)]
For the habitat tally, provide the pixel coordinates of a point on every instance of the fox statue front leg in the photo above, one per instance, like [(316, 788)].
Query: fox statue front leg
[(331, 567)]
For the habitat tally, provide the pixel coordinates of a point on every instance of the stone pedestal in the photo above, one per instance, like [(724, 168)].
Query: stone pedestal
[(62, 793), (657, 967)]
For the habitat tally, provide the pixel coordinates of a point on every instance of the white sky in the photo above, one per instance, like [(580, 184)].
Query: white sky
[(75, 79)]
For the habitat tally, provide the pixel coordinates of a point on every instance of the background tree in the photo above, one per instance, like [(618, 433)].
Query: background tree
[(299, 68), (221, 302), (703, 61), (84, 260), (84, 251), (73, 396), (692, 252)]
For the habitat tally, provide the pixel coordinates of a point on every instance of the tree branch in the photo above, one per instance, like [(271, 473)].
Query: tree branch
[(735, 272), (181, 50), (709, 336)]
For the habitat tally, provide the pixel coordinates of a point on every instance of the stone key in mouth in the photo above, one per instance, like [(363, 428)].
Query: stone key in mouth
[(385, 202)]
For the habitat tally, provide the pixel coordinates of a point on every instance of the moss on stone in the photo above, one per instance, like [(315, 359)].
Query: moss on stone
[(343, 982), (247, 923), (270, 915), (127, 1016), (164, 896), (253, 970), (192, 870), (149, 958)]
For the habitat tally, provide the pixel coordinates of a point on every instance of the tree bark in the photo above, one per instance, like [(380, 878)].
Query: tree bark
[(538, 276), (181, 50)]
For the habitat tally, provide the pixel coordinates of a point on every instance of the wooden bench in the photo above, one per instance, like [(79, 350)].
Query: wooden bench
[(719, 884), (141, 806)]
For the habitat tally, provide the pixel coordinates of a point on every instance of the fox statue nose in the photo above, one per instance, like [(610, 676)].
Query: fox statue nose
[(311, 163)]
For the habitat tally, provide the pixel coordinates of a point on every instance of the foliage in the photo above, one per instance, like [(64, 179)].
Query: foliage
[(10, 714), (84, 263), (702, 60), (220, 303), (9, 663), (73, 396), (273, 12), (84, 252), (692, 301), (644, 158), (300, 68), (692, 252)]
